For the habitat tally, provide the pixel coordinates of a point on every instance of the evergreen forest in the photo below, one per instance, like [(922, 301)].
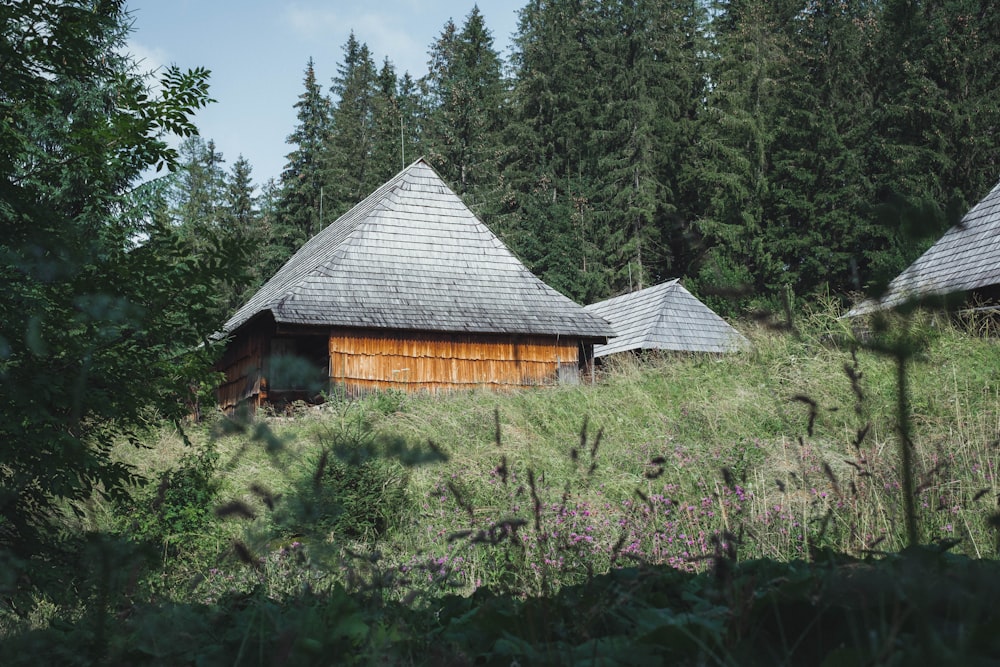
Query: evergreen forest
[(755, 149)]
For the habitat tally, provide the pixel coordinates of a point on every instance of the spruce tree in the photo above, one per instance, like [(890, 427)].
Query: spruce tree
[(242, 226), (935, 114), (300, 211), (388, 125), (198, 192), (649, 85), (817, 221), (352, 175), (732, 166), (548, 216), (412, 115), (606, 99), (465, 98)]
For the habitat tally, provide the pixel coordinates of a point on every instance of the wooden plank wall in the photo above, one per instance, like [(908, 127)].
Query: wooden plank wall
[(242, 364), (365, 360)]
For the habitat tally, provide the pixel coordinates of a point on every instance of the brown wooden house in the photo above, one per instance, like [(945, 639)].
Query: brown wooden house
[(408, 290)]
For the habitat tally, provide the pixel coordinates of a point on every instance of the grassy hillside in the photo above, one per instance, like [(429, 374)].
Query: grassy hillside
[(756, 487), (664, 460)]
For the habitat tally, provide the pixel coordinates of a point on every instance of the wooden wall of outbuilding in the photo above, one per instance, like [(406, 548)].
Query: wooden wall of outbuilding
[(243, 366), (366, 360)]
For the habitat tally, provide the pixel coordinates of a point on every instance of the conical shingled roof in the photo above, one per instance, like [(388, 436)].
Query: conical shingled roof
[(966, 258), (664, 317), (412, 256)]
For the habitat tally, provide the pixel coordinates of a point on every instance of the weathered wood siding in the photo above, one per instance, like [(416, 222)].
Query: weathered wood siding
[(243, 364), (366, 360)]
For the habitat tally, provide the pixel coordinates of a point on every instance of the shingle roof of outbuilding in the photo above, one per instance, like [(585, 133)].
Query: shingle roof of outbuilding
[(664, 317), (966, 258), (412, 256)]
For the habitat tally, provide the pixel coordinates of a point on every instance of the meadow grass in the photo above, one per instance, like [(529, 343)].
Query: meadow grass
[(669, 459), (742, 509)]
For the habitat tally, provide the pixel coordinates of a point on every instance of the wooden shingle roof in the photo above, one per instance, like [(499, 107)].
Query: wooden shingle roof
[(664, 317), (412, 256), (966, 258)]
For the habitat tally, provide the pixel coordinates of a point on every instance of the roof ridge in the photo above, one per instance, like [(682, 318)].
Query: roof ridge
[(631, 295), (662, 317)]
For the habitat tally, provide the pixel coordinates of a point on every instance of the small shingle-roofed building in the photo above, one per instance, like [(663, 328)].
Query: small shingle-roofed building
[(965, 260), (664, 317), (408, 290)]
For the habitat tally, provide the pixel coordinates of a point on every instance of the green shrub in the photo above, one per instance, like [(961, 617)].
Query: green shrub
[(372, 495), (388, 402), (180, 505), (359, 499)]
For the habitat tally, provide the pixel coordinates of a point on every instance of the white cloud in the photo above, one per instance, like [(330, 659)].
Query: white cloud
[(312, 22), (389, 31), (385, 37), (149, 60)]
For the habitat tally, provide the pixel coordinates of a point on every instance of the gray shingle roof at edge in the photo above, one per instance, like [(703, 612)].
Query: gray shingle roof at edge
[(664, 317), (412, 256), (966, 258)]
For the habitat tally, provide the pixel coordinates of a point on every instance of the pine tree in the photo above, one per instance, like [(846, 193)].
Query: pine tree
[(465, 97), (300, 211), (732, 165), (352, 175)]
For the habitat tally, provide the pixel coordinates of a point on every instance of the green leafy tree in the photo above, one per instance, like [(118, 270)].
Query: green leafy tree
[(102, 311)]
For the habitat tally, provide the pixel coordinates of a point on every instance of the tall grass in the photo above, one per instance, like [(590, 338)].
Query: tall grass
[(784, 452), (810, 455), (742, 487)]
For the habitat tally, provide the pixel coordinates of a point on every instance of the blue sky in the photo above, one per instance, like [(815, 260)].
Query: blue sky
[(257, 51)]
